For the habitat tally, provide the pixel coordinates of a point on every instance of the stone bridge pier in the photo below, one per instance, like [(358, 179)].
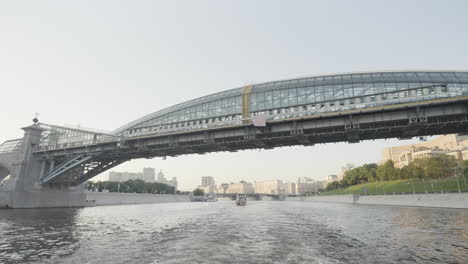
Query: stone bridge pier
[(19, 179)]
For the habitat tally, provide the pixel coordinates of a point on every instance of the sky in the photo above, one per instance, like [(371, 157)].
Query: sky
[(102, 64)]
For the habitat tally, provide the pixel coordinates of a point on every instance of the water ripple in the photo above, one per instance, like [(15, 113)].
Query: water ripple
[(261, 232)]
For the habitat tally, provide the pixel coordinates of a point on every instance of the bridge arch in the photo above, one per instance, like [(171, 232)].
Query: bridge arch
[(5, 171), (297, 97)]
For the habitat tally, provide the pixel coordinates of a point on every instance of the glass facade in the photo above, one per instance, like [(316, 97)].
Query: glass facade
[(219, 108), (10, 145), (303, 96), (62, 137)]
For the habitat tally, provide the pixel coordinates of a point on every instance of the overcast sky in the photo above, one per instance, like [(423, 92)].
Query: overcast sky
[(101, 64)]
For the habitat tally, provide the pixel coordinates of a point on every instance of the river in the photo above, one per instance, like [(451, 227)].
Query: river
[(220, 232)]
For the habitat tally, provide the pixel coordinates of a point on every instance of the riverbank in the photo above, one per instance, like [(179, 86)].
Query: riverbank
[(405, 187), (112, 198), (442, 200)]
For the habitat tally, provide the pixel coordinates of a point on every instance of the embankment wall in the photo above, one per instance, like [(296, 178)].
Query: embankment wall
[(445, 200), (108, 198)]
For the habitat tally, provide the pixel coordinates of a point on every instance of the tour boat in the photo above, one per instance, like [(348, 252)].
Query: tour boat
[(241, 199)]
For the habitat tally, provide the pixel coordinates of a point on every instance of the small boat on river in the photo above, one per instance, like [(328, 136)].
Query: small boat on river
[(241, 199)]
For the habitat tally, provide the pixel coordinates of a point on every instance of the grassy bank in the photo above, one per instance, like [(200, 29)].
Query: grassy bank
[(405, 186)]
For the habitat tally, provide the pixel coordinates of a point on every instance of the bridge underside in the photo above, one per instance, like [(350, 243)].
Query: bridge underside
[(80, 164)]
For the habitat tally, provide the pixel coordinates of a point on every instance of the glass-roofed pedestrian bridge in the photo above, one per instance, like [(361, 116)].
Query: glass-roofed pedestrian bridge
[(274, 102), (301, 111), (300, 97)]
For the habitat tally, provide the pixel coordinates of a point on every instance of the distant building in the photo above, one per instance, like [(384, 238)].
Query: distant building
[(344, 169), (329, 179), (124, 176), (454, 145), (223, 188), (332, 178), (241, 187), (162, 179), (208, 185), (269, 187), (148, 175), (291, 188), (208, 181), (307, 185), (207, 189)]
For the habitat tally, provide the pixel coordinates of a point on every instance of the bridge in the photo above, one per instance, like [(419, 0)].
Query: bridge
[(50, 163)]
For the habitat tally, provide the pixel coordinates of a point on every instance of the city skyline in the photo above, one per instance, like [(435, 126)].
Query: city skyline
[(119, 66)]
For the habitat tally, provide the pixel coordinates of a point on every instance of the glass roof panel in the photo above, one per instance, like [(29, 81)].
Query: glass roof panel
[(10, 146)]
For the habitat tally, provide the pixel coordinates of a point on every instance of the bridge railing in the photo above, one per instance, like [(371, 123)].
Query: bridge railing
[(11, 146), (315, 109), (59, 137)]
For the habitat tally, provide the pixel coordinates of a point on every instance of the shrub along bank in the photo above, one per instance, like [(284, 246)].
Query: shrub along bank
[(433, 174)]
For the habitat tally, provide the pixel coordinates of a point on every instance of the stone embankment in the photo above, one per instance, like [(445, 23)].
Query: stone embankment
[(444, 200), (110, 198)]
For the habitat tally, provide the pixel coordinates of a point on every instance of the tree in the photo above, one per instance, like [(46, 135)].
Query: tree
[(411, 171), (90, 185), (464, 167), (361, 174), (332, 186), (387, 171), (442, 166), (198, 192)]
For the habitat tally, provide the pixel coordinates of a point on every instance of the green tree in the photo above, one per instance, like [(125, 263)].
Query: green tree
[(89, 186), (332, 186), (362, 174), (411, 171), (387, 171), (198, 192), (464, 167), (442, 166)]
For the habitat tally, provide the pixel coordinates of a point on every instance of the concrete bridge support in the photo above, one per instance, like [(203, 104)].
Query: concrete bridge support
[(22, 189)]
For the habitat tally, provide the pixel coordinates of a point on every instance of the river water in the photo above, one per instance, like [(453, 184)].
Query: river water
[(261, 232)]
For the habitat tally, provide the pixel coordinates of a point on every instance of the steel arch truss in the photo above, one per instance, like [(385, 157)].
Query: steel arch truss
[(79, 169)]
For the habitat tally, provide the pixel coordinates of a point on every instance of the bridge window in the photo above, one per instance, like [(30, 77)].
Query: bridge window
[(332, 104), (351, 101), (362, 100), (292, 93), (372, 98), (383, 96), (454, 86), (390, 87), (402, 86), (341, 102)]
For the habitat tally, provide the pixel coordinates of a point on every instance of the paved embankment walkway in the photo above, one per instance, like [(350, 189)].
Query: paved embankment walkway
[(445, 200)]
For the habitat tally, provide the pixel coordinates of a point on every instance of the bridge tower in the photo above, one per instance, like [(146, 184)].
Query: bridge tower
[(20, 171)]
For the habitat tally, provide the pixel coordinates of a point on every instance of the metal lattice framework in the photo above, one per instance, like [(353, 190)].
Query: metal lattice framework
[(78, 169), (11, 146), (55, 137)]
